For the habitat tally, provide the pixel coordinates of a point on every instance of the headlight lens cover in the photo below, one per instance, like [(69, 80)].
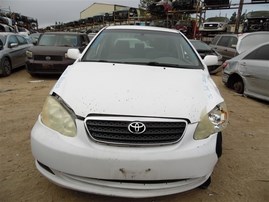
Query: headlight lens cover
[(213, 122), (29, 54), (57, 117)]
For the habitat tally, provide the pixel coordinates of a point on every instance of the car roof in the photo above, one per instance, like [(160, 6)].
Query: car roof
[(242, 55), (8, 33), (137, 27), (236, 35)]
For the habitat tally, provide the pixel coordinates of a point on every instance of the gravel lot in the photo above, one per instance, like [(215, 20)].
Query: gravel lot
[(242, 174)]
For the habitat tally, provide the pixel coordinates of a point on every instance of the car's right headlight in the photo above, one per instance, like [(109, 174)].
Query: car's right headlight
[(212, 122), (58, 117), (29, 54)]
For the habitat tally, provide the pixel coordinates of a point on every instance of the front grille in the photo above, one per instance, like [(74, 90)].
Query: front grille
[(48, 57), (157, 132), (51, 68), (211, 26)]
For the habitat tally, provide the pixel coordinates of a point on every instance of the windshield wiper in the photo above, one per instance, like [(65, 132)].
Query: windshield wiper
[(162, 64)]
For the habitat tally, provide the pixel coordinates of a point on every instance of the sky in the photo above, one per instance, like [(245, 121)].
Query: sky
[(47, 12)]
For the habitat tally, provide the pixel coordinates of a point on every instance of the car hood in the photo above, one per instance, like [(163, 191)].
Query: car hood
[(249, 40), (122, 89), (52, 50)]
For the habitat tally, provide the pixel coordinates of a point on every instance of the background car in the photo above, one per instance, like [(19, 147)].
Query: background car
[(213, 25), (203, 49), (34, 37), (230, 45), (48, 56), (248, 73), (6, 28), (13, 49), (136, 115), (256, 21), (225, 44)]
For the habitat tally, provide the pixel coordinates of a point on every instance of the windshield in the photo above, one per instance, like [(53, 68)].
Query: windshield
[(146, 47), (59, 40), (200, 45), (217, 19)]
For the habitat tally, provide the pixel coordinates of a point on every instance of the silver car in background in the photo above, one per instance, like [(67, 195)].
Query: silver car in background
[(13, 49), (248, 73)]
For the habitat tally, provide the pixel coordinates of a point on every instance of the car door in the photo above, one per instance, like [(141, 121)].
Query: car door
[(255, 67), (22, 47), (14, 51)]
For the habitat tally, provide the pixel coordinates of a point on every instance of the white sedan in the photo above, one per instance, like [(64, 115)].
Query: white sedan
[(137, 115), (248, 73)]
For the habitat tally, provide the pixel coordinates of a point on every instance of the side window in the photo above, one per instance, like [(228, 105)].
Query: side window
[(12, 39), (21, 40), (233, 42), (224, 41), (259, 54), (215, 40)]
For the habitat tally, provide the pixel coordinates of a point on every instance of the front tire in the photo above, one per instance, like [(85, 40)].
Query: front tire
[(238, 86), (206, 184), (6, 67), (219, 145)]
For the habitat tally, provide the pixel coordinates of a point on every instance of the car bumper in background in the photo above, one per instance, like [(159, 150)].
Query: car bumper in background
[(43, 67)]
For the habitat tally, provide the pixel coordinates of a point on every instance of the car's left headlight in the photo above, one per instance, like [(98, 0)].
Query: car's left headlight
[(29, 54), (58, 117), (212, 122)]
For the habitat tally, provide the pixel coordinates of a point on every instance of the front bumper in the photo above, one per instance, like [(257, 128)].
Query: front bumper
[(79, 163), (45, 67)]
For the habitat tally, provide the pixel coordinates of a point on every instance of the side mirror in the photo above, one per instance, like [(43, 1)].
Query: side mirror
[(73, 53), (12, 45), (210, 60)]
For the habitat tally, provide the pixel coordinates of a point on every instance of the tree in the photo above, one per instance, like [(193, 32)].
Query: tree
[(233, 18), (242, 18)]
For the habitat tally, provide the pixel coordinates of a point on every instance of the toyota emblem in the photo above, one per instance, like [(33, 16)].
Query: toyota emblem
[(48, 58), (137, 127)]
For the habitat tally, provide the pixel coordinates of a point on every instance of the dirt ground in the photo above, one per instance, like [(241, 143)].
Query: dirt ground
[(242, 173)]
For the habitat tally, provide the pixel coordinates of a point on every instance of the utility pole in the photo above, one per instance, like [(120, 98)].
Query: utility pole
[(239, 13)]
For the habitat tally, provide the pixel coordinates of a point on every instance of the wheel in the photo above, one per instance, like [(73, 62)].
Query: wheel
[(206, 184), (238, 86), (6, 67), (219, 145)]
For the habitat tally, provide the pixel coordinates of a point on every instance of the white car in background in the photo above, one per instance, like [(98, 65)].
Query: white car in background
[(132, 121), (248, 73)]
